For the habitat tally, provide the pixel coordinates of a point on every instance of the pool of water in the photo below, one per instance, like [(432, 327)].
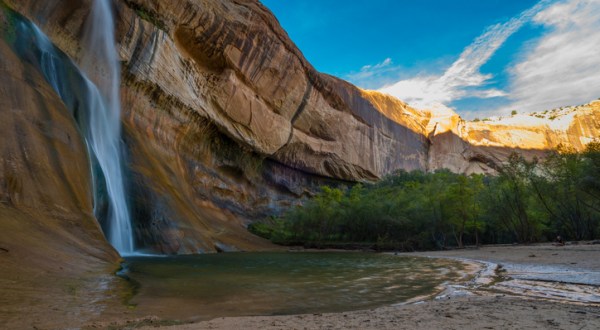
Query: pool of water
[(236, 284)]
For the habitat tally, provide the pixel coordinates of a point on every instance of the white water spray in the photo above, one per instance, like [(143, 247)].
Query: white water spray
[(100, 64)]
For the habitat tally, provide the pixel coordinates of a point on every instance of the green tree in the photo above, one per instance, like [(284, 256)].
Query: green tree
[(562, 190), (511, 199), (463, 207)]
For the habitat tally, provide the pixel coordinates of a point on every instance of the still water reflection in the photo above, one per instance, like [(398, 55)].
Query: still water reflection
[(235, 284)]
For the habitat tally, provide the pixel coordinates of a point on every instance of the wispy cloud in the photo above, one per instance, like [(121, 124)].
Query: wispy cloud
[(373, 75), (463, 78), (563, 68), (386, 63)]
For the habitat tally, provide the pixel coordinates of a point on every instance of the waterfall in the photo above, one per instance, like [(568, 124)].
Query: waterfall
[(91, 93), (101, 65)]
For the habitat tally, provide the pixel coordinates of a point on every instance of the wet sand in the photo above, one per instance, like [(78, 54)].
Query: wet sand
[(516, 287)]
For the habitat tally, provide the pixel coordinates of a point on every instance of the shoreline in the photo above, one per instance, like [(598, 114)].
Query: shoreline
[(492, 298), (566, 274), (503, 287)]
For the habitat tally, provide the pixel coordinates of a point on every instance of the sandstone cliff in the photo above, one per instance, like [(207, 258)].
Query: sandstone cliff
[(225, 121), (481, 146), (50, 241), (222, 112)]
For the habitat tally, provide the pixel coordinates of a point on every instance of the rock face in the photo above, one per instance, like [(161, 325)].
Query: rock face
[(222, 112), (480, 147), (49, 239), (44, 170), (226, 122)]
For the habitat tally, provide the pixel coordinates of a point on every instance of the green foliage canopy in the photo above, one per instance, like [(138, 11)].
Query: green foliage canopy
[(528, 201)]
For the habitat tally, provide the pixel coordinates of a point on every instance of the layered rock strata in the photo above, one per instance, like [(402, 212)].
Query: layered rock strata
[(225, 121)]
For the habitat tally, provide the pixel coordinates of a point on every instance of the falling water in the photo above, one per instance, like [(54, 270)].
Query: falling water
[(91, 93), (101, 65)]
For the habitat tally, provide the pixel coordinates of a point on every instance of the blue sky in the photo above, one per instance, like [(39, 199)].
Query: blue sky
[(478, 57)]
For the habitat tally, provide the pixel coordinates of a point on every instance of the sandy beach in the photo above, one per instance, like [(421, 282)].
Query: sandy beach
[(488, 312), (515, 287)]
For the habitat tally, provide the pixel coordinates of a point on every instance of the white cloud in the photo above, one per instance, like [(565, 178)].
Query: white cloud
[(563, 68), (463, 78)]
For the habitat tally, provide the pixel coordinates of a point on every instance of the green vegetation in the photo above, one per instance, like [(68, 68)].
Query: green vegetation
[(205, 141), (528, 201), (233, 154), (147, 15), (514, 112), (9, 24)]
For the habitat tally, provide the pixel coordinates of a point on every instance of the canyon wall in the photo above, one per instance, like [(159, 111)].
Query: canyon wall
[(52, 250), (482, 146), (45, 177), (226, 122)]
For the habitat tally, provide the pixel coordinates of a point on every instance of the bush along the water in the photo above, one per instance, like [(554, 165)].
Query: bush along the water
[(526, 202)]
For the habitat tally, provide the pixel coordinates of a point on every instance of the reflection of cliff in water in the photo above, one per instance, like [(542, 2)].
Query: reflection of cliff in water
[(236, 284)]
